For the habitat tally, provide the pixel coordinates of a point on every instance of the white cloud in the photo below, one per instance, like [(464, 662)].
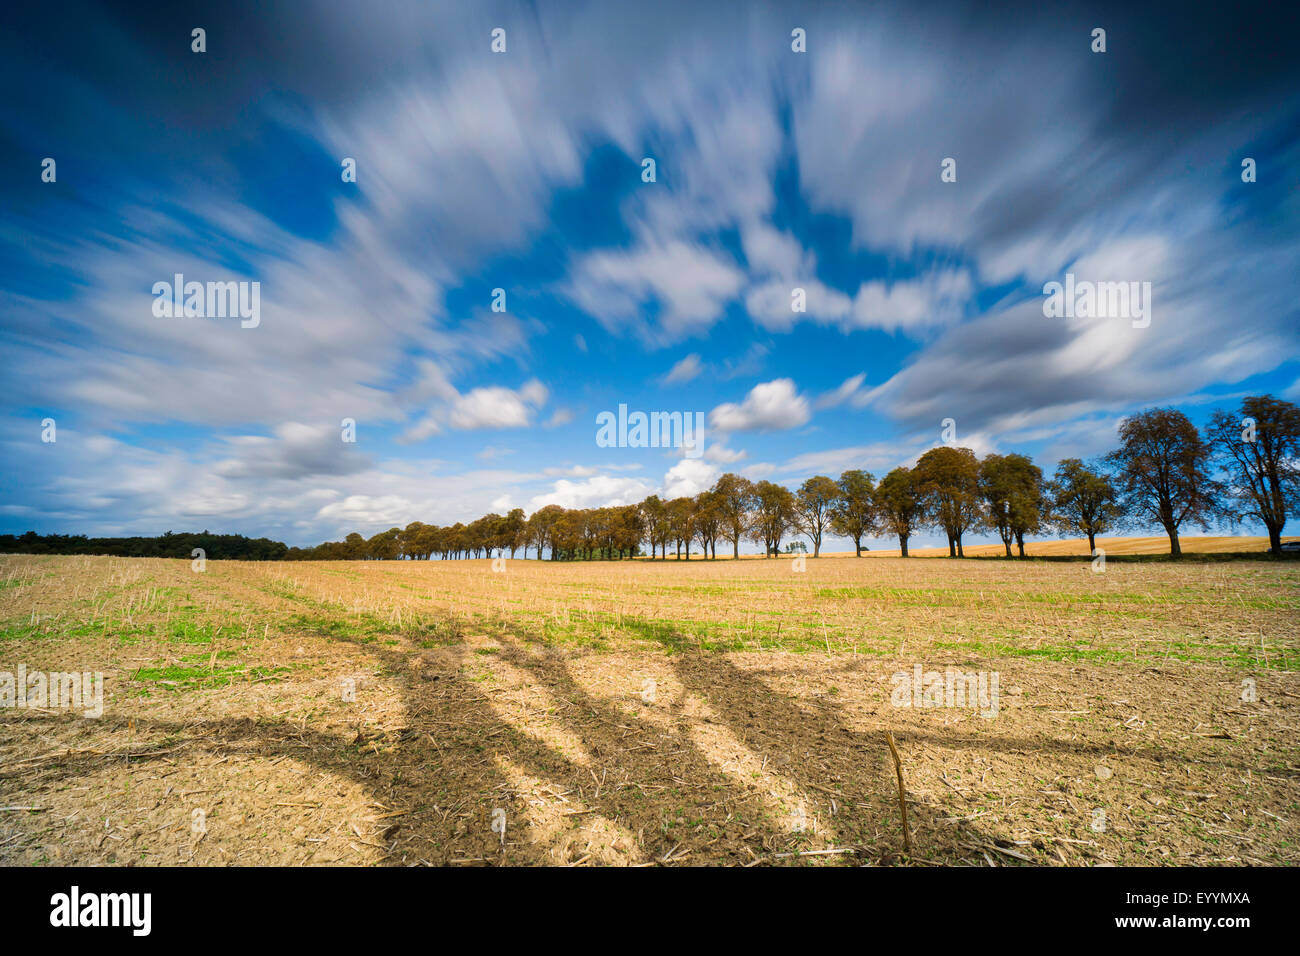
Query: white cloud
[(769, 250), (771, 303), (849, 389), (571, 471), (491, 406), (602, 491), (688, 478), (722, 454), (770, 406), (425, 145), (684, 370), (936, 299), (496, 407), (368, 511), (690, 283), (561, 416)]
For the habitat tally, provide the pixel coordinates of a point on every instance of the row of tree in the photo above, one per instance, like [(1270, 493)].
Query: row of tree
[(219, 547), (1245, 467)]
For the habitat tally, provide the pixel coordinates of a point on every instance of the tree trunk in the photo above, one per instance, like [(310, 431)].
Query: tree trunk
[(857, 546), (960, 552), (735, 547), (1275, 539), (1175, 549), (952, 547), (902, 545)]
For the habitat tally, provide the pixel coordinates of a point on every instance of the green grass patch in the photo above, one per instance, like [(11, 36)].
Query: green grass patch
[(200, 672)]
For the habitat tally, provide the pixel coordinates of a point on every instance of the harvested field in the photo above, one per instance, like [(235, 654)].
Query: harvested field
[(1078, 547), (652, 713)]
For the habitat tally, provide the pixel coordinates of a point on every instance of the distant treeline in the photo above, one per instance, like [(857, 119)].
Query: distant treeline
[(219, 547), (1165, 473)]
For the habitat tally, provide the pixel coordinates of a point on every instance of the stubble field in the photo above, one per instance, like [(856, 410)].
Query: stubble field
[(657, 713)]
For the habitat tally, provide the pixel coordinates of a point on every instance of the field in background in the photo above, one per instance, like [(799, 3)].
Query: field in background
[(642, 713), (1204, 544), (1072, 547)]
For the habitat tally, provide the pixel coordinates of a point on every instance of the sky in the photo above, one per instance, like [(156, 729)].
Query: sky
[(524, 170)]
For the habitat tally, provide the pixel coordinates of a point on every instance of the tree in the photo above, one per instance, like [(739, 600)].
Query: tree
[(708, 522), (455, 540), (994, 481), (735, 507), (854, 514), (354, 546), (735, 502), (600, 532), (408, 544), (430, 541), (482, 534), (511, 531), (385, 545), (775, 513), (1083, 500), (1162, 470), (813, 503), (681, 518), (948, 481), (541, 528), (1258, 450), (566, 535), (1012, 488), (654, 516), (898, 505), (1030, 508), (628, 528)]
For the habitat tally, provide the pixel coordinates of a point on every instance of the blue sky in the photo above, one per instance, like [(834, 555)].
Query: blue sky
[(522, 171)]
